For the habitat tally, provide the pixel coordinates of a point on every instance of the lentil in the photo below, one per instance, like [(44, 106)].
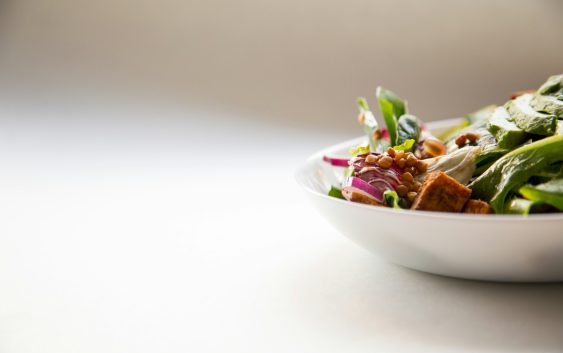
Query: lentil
[(386, 162), (411, 160), (401, 163), (421, 166), (402, 190), (408, 177), (399, 154), (371, 159)]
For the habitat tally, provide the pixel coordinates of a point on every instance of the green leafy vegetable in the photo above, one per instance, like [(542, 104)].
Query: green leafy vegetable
[(335, 192), (529, 120), (358, 150), (552, 87), (553, 171), (391, 199), (407, 129), (405, 146), (550, 193), (392, 107), (489, 154), (514, 169), (548, 105), (506, 133)]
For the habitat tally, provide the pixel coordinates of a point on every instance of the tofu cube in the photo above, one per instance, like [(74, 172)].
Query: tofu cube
[(477, 206), (442, 193)]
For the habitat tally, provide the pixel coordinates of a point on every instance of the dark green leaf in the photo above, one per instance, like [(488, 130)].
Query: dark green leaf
[(550, 193), (392, 108), (548, 105), (529, 120), (515, 169), (407, 129), (506, 133), (553, 86), (391, 199)]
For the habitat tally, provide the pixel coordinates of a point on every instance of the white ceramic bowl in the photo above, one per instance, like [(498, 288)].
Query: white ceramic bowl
[(484, 247)]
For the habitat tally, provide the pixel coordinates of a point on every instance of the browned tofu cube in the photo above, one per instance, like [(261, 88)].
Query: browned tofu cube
[(477, 206), (440, 192)]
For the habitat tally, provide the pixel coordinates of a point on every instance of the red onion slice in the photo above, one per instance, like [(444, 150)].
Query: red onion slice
[(337, 162), (353, 184)]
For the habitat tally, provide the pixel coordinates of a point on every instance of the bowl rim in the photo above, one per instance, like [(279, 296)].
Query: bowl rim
[(300, 176)]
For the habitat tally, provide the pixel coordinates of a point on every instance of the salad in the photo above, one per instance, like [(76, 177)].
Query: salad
[(504, 159)]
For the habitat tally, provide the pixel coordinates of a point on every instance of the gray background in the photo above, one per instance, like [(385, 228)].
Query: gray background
[(294, 63)]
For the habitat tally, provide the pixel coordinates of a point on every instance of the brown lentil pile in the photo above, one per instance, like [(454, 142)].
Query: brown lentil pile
[(410, 166)]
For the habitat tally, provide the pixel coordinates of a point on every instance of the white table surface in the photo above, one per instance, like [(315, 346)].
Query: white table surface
[(185, 232)]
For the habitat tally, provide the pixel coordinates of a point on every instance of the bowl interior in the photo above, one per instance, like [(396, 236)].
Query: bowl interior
[(317, 176)]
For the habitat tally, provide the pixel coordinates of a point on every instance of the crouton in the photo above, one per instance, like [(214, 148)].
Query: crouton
[(442, 193), (477, 206)]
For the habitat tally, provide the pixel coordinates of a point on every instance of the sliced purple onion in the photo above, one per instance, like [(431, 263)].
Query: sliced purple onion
[(353, 184), (375, 174), (337, 162)]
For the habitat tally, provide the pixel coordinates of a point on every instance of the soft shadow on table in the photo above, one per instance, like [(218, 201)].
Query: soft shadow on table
[(376, 299)]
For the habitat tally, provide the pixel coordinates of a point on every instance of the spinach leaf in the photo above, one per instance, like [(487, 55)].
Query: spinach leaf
[(548, 105), (487, 157), (553, 171), (407, 129), (392, 107), (550, 193), (529, 120), (506, 133), (515, 169), (552, 87), (391, 199)]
